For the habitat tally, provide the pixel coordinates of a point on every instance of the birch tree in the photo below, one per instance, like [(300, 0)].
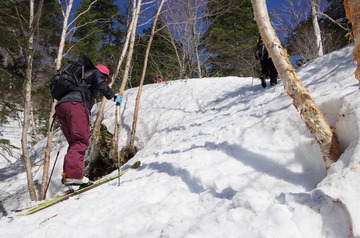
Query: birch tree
[(296, 21), (95, 134), (137, 102), (313, 117), (33, 26), (33, 124), (316, 26), (184, 22), (352, 9), (136, 11), (100, 114), (66, 31), (66, 14)]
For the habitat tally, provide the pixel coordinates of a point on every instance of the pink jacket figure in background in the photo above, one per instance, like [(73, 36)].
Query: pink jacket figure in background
[(158, 79)]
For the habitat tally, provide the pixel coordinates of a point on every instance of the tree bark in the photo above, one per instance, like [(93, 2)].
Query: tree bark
[(313, 117), (100, 114), (25, 125), (352, 10), (196, 48), (316, 26), (184, 23), (137, 102), (33, 124), (136, 13), (45, 178), (33, 26)]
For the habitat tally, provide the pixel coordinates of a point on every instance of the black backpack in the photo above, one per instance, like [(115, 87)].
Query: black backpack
[(70, 77)]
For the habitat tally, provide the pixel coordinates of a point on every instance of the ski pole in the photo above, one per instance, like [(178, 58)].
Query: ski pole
[(52, 171), (119, 168), (118, 150)]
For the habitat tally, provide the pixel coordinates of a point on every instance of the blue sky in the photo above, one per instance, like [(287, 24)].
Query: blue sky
[(271, 4)]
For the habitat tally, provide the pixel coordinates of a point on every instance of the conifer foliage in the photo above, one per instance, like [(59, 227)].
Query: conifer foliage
[(231, 37)]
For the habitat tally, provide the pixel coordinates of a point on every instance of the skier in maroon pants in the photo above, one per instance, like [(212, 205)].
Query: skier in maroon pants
[(73, 111)]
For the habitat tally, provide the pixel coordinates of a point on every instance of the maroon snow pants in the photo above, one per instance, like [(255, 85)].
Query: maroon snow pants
[(74, 123)]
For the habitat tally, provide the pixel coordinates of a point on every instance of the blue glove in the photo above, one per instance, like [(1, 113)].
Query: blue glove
[(117, 99)]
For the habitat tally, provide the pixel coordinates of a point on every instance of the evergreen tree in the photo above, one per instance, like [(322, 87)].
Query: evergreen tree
[(138, 61), (231, 37), (12, 62), (50, 26), (12, 55), (98, 32), (163, 59)]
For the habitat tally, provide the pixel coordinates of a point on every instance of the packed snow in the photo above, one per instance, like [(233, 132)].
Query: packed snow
[(221, 157)]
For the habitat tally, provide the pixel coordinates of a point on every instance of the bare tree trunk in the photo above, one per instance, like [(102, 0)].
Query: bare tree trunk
[(314, 119), (33, 124), (316, 26), (45, 178), (352, 9), (185, 26), (93, 148), (25, 125), (196, 48), (137, 103), (136, 14), (100, 114), (305, 43), (65, 32), (47, 151), (33, 26), (181, 65)]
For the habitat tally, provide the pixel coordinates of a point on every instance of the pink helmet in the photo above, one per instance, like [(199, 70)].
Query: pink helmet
[(103, 69)]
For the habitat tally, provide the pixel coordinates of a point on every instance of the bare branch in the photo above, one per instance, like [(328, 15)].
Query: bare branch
[(82, 13), (62, 10), (103, 20), (79, 40), (333, 21)]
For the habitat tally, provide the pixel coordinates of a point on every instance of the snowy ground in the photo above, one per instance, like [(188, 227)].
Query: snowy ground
[(12, 133), (221, 157)]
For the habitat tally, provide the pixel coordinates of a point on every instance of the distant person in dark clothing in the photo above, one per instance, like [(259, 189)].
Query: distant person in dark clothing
[(267, 65)]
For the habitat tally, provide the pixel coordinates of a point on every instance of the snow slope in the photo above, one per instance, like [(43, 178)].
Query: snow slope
[(221, 157)]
